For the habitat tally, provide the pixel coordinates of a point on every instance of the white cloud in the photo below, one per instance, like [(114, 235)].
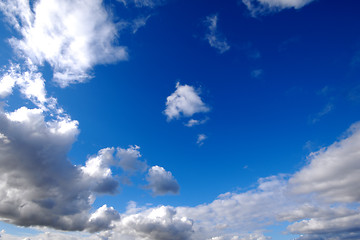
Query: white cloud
[(262, 7), (194, 122), (333, 172), (200, 139), (30, 82), (215, 39), (185, 101), (72, 36), (161, 181)]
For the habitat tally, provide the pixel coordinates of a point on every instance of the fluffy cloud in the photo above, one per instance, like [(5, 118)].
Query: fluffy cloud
[(160, 223), (72, 36), (261, 7), (161, 181), (185, 101), (215, 39), (129, 159)]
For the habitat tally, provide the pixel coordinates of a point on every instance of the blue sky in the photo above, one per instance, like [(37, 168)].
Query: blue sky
[(189, 120)]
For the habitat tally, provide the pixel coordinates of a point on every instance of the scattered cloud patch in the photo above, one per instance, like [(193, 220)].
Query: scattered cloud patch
[(200, 139), (185, 101), (161, 182), (143, 3), (194, 122), (215, 39), (326, 110), (72, 36), (263, 7), (257, 73), (139, 22)]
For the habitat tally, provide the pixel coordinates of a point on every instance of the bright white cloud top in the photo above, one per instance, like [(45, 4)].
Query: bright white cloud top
[(184, 102), (42, 188), (54, 32), (261, 7)]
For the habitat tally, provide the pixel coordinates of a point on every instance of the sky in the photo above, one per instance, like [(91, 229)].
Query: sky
[(179, 120)]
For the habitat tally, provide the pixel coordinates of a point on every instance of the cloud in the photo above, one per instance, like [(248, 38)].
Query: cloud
[(72, 36), (326, 110), (38, 185), (257, 73), (185, 101), (128, 159), (334, 171), (143, 3), (215, 39), (200, 139), (161, 181), (263, 7), (194, 122), (159, 223)]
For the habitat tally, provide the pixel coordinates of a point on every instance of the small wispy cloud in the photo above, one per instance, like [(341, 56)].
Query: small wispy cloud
[(263, 7), (213, 36), (257, 73), (143, 3), (200, 139), (326, 110), (194, 122)]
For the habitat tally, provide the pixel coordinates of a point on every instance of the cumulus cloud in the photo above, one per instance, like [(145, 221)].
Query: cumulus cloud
[(72, 36), (161, 181), (129, 159), (215, 39), (262, 7), (185, 101), (159, 223)]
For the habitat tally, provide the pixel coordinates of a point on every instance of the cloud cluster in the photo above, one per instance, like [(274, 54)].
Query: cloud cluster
[(262, 7), (72, 36), (319, 201), (39, 186), (215, 39), (185, 101)]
